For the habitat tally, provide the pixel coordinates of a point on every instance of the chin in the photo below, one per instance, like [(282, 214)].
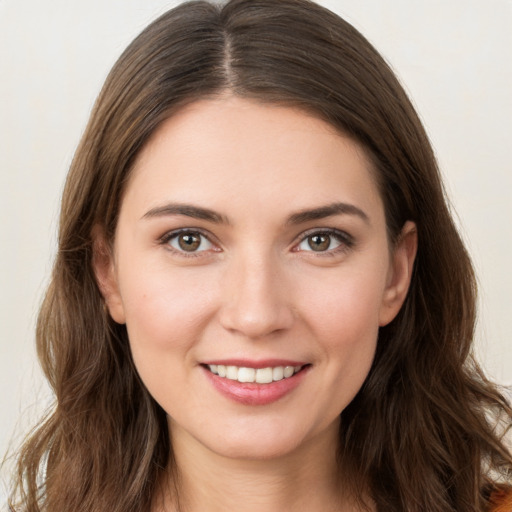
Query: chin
[(257, 449), (264, 440)]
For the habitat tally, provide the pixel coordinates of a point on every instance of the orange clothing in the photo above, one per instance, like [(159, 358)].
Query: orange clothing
[(501, 501)]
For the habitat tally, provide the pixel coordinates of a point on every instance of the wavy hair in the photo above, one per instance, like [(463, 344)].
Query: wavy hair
[(425, 432)]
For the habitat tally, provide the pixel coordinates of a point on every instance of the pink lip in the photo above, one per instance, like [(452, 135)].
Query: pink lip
[(252, 393)]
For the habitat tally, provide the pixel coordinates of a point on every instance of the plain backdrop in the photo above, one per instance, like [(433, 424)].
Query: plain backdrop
[(454, 58)]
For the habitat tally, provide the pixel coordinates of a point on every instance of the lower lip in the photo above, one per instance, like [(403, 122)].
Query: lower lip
[(252, 393)]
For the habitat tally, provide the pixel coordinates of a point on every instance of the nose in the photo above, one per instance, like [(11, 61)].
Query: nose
[(256, 298)]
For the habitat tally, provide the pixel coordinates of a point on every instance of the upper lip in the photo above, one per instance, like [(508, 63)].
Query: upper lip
[(252, 363)]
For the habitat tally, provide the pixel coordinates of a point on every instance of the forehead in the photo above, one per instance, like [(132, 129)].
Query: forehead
[(232, 150)]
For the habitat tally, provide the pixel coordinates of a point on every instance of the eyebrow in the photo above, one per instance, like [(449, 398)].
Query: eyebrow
[(327, 211), (300, 217), (188, 210)]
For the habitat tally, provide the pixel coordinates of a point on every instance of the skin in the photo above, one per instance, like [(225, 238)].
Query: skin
[(254, 289)]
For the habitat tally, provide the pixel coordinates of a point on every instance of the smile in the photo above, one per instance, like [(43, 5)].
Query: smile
[(252, 375), (255, 384)]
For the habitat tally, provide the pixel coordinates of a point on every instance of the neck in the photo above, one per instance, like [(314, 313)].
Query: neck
[(305, 480)]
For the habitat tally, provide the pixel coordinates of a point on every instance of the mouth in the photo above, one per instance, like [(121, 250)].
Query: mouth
[(249, 375), (255, 384)]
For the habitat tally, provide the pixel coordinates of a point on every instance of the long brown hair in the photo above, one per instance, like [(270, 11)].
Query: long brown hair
[(425, 432)]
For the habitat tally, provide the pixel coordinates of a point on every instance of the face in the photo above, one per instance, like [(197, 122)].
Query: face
[(252, 269)]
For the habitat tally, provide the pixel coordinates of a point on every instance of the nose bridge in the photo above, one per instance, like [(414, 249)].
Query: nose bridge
[(255, 300)]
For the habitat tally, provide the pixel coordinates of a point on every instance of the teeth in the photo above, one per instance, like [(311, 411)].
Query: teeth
[(288, 371), (246, 374), (277, 373), (232, 372), (260, 376), (263, 375)]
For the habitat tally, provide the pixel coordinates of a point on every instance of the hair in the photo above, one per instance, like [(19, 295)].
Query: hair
[(426, 430)]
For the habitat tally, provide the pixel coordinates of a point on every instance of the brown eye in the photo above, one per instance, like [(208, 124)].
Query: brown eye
[(319, 242), (189, 241), (328, 241)]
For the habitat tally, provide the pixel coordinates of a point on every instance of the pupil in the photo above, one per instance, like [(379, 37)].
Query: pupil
[(319, 242), (189, 242)]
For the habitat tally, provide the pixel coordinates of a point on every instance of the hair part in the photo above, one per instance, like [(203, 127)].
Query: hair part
[(425, 405)]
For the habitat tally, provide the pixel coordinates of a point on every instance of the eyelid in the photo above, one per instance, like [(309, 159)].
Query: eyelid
[(169, 235), (346, 240)]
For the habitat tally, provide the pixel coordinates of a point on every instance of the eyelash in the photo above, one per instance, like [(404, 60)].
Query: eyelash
[(171, 235), (345, 240)]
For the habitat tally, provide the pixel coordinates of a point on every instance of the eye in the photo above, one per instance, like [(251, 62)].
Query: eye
[(325, 241), (188, 241)]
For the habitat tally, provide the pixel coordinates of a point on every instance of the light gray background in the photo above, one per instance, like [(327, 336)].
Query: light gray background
[(454, 58)]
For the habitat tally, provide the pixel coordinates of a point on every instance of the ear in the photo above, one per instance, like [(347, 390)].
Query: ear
[(400, 273), (105, 273)]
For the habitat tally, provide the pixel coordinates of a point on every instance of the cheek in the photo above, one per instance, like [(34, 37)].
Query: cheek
[(344, 318), (165, 315), (165, 310), (345, 309)]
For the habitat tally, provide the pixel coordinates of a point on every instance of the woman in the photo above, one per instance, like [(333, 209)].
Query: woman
[(259, 285)]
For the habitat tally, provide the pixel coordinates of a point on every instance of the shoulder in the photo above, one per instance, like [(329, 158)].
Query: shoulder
[(501, 500)]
